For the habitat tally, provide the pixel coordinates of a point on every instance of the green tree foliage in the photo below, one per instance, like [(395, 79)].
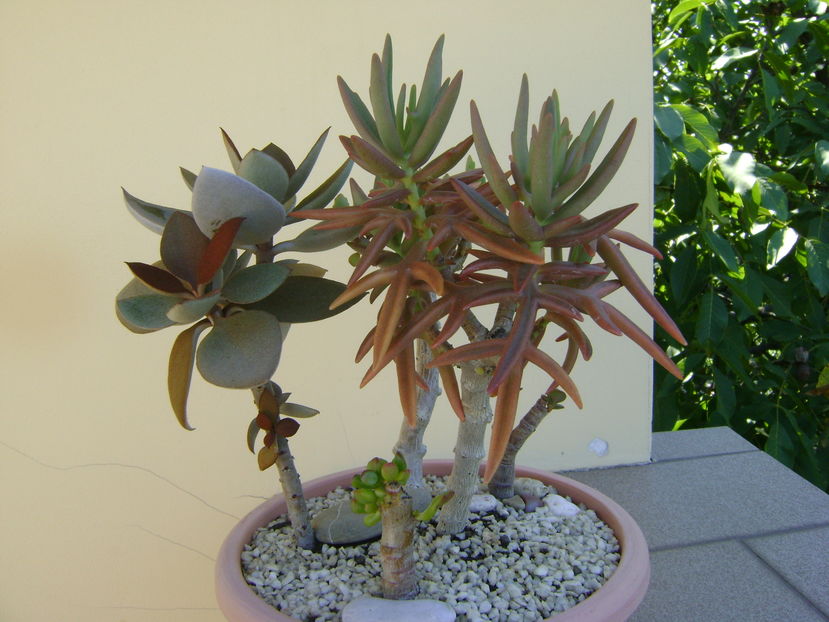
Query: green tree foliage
[(742, 185)]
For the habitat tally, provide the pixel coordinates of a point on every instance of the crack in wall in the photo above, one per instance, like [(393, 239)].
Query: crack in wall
[(123, 466), (184, 546)]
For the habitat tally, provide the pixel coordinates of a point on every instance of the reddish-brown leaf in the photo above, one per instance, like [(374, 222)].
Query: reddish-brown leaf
[(450, 387), (217, 249), (544, 361), (518, 340), (286, 427), (502, 421), (157, 278), (639, 336), (497, 244), (591, 229), (406, 384)]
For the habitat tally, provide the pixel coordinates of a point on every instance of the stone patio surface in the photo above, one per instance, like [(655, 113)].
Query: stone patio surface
[(734, 535)]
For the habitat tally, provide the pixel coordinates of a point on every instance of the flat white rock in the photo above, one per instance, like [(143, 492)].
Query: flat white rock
[(482, 503), (560, 506), (368, 609)]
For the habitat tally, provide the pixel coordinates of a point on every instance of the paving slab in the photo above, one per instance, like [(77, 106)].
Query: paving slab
[(697, 443), (714, 498), (802, 558), (722, 582)]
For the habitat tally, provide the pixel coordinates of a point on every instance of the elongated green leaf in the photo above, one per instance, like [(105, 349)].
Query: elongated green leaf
[(444, 162), (188, 311), (323, 194), (232, 151), (180, 370), (597, 133), (241, 351), (150, 215), (305, 167), (712, 319), (601, 176), (255, 283), (541, 169), (304, 299), (726, 396), (253, 432), (732, 55), (265, 173), (738, 169), (432, 79), (382, 107), (313, 240), (278, 154), (371, 158), (436, 123), (494, 174), (358, 113), (518, 138)]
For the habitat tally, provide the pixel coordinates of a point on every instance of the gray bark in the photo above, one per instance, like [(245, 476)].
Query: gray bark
[(469, 449), (410, 442)]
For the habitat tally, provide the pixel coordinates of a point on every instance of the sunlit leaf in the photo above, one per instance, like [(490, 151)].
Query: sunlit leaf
[(780, 244)]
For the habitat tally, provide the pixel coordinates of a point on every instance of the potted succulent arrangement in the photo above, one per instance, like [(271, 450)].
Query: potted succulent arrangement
[(435, 251)]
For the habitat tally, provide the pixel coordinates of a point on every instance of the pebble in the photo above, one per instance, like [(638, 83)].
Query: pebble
[(560, 506), (506, 565), (482, 503), (368, 609)]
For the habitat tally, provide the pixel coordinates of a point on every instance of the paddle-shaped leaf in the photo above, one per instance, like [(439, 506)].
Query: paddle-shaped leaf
[(241, 351), (304, 299), (180, 370), (266, 173), (143, 310), (157, 278), (182, 247), (255, 283), (219, 196), (188, 311)]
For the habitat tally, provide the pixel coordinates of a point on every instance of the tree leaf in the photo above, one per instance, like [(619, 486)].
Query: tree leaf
[(817, 265), (304, 299), (732, 55), (699, 124), (780, 244), (726, 396), (180, 370), (712, 319), (822, 159), (668, 120), (738, 169), (219, 196), (241, 351), (254, 283), (722, 249)]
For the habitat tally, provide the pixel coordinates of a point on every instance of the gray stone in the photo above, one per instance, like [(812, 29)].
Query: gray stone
[(367, 609), (339, 525), (530, 486), (560, 506), (515, 501)]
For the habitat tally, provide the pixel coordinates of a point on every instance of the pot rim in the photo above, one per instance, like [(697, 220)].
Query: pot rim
[(614, 601)]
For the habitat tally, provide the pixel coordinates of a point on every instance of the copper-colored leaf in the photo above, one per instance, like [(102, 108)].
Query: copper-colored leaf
[(180, 370), (497, 244), (406, 385), (627, 275), (634, 242), (450, 387), (548, 364), (286, 427), (639, 336), (523, 222), (502, 421), (268, 403), (371, 158), (444, 162), (593, 228), (217, 249), (157, 278), (518, 340)]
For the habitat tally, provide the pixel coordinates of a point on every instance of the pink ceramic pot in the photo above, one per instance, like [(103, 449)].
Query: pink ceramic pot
[(615, 601)]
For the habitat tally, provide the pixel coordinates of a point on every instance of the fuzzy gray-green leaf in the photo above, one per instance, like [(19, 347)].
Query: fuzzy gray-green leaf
[(254, 283), (152, 216), (266, 173), (143, 310), (241, 351), (188, 311), (304, 299)]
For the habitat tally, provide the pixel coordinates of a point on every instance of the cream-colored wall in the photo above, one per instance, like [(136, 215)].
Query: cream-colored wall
[(110, 510)]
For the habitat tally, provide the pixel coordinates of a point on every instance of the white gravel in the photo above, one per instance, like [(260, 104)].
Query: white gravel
[(506, 566)]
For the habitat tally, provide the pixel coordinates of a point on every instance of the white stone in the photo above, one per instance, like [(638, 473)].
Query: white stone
[(482, 503), (560, 506), (368, 609), (530, 486)]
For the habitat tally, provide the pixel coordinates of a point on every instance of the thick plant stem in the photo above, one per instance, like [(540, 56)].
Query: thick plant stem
[(294, 498), (396, 549), (502, 483), (410, 442), (469, 449)]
